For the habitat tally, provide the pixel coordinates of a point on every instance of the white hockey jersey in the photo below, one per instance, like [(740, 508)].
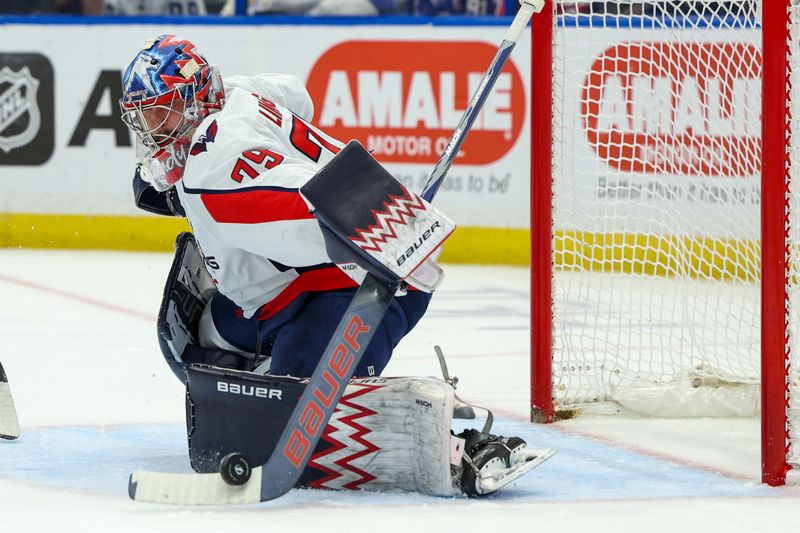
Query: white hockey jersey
[(261, 244)]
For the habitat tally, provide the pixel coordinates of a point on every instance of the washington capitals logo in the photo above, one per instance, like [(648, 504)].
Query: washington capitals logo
[(208, 137), (398, 210)]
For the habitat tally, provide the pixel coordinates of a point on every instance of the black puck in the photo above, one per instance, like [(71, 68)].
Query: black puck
[(235, 469)]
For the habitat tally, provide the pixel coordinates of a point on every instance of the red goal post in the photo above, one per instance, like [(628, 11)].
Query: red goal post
[(778, 251), (654, 204)]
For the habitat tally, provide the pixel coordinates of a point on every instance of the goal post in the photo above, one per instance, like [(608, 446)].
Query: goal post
[(542, 409), (776, 164), (650, 221)]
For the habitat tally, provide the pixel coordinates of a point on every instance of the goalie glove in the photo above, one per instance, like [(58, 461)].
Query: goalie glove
[(371, 219)]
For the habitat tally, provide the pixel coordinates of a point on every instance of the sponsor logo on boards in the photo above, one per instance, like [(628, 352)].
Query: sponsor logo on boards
[(675, 108), (405, 111)]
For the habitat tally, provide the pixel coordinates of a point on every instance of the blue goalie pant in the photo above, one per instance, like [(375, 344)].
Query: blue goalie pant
[(296, 336)]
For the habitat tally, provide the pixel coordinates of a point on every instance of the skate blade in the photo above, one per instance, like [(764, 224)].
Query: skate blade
[(527, 460)]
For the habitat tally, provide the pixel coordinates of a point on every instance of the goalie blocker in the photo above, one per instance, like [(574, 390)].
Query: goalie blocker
[(371, 219), (386, 434)]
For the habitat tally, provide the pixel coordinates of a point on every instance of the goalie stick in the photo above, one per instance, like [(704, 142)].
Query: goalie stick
[(344, 351), (9, 424)]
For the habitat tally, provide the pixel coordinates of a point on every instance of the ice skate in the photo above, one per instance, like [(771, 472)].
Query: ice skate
[(491, 462)]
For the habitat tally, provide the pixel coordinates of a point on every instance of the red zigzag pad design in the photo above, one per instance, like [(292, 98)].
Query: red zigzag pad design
[(398, 210), (357, 436)]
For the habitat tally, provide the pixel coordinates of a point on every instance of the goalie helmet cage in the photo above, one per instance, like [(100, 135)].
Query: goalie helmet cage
[(651, 197)]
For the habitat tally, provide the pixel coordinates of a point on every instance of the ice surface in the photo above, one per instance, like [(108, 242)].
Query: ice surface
[(96, 401)]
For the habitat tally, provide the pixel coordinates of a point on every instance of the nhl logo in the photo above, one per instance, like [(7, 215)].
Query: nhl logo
[(20, 118)]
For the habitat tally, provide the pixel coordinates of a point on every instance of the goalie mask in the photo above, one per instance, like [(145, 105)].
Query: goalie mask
[(167, 90)]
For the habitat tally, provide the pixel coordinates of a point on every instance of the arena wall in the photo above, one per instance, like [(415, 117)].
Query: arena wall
[(66, 165), (66, 160)]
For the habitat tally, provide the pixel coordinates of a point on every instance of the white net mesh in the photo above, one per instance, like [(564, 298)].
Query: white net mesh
[(656, 158)]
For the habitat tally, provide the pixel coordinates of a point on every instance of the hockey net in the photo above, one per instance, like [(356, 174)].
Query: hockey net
[(646, 208)]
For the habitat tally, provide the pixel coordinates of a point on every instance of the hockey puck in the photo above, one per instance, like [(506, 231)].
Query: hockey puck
[(235, 469)]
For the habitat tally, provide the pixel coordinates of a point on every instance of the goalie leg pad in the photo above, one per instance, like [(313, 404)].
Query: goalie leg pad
[(387, 433)]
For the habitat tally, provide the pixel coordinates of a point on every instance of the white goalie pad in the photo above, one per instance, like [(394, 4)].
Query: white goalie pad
[(392, 434), (9, 423)]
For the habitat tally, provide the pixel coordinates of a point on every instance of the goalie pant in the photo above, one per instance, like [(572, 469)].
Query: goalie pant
[(296, 336), (386, 434), (194, 314)]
